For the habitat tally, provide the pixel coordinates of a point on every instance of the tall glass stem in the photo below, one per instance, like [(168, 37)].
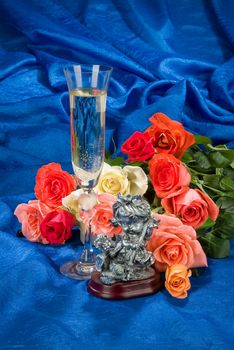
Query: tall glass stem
[(88, 255)]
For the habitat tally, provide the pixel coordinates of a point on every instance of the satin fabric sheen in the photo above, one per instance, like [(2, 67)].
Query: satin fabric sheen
[(170, 56)]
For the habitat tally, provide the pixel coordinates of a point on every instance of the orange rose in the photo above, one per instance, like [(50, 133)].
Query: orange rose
[(169, 135), (177, 280), (193, 206), (53, 184), (174, 243), (168, 175)]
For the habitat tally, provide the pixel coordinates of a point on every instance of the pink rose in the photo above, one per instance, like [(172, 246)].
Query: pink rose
[(174, 243), (30, 216), (193, 206), (101, 215)]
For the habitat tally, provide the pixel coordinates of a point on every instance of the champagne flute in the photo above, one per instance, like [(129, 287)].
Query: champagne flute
[(87, 85)]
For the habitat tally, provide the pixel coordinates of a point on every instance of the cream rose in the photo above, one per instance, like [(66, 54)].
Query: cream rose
[(138, 181), (128, 180), (78, 200)]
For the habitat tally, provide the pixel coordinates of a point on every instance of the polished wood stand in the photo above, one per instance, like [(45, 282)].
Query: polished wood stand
[(124, 290)]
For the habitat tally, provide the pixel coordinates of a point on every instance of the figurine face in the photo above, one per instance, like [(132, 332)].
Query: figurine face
[(132, 225)]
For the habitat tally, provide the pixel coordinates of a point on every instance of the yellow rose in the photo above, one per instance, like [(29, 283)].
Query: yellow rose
[(177, 280), (128, 180)]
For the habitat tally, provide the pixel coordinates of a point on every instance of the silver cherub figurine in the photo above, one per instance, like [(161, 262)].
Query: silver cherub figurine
[(124, 257)]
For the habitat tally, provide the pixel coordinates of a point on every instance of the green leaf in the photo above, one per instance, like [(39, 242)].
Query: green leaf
[(202, 161), (158, 210), (226, 205), (209, 223), (202, 140), (212, 181), (224, 226), (187, 157), (215, 247), (108, 161), (229, 154), (224, 150), (202, 230), (140, 164), (117, 161), (229, 173), (218, 160), (227, 184), (107, 155), (196, 272)]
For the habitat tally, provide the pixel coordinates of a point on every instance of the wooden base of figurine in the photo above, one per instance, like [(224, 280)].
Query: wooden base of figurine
[(124, 290)]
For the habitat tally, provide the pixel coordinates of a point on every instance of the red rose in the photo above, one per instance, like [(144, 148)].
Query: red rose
[(168, 175), (56, 226), (53, 184), (169, 135), (193, 206), (139, 147)]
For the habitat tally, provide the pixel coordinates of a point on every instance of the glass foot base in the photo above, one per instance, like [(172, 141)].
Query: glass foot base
[(78, 270)]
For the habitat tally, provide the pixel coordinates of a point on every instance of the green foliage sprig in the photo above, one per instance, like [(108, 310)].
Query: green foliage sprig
[(212, 170)]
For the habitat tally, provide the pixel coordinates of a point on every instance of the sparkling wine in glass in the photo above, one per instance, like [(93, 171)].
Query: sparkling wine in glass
[(87, 85)]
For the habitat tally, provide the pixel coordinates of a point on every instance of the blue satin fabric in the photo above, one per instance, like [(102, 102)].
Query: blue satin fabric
[(170, 56)]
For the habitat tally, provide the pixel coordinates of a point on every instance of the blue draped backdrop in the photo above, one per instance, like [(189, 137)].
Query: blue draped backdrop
[(170, 56)]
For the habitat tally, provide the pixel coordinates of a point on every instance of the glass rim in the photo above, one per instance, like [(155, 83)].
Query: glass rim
[(89, 68)]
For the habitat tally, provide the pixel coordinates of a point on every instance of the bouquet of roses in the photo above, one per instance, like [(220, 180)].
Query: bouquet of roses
[(191, 178), (188, 182)]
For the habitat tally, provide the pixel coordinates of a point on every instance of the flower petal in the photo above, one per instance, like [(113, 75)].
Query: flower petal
[(137, 178)]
